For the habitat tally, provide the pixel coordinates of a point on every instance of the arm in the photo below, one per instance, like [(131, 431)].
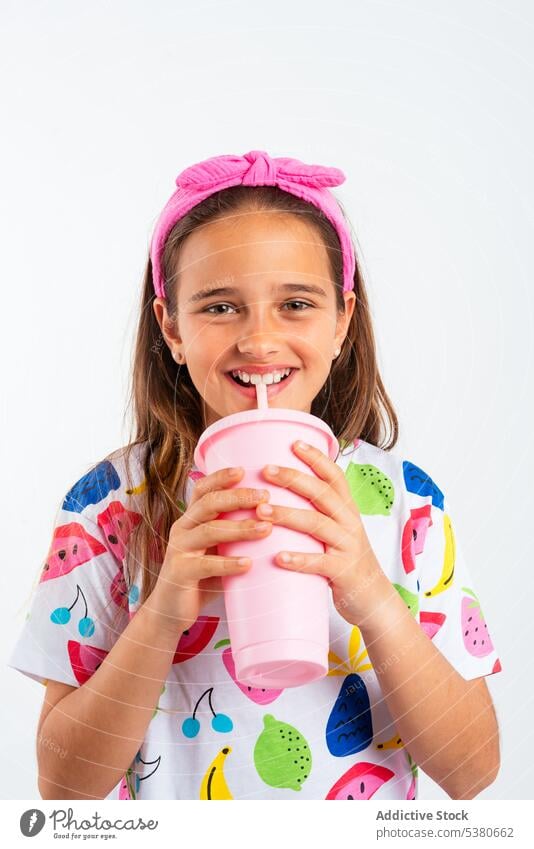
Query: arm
[(100, 726), (448, 724)]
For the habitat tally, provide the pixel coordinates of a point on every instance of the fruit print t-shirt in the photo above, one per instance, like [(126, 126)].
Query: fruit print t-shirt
[(210, 736)]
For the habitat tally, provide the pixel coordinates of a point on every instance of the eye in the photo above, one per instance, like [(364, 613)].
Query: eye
[(214, 306), (299, 302)]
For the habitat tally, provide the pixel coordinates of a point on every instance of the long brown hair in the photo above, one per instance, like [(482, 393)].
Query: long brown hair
[(167, 410)]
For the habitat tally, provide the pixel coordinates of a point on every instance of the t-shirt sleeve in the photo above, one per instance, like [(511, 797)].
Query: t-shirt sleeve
[(79, 606), (449, 606)]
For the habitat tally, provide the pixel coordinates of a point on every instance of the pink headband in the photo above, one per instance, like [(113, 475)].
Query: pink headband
[(255, 168)]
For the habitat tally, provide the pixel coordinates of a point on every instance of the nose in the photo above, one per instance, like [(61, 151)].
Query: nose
[(258, 346), (262, 338)]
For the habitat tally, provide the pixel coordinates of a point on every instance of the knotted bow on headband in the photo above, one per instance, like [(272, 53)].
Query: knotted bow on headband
[(256, 168)]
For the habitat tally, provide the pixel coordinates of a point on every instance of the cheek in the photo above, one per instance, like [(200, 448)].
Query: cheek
[(204, 343), (204, 361)]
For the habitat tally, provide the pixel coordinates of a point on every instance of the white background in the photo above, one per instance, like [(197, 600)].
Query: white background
[(426, 106)]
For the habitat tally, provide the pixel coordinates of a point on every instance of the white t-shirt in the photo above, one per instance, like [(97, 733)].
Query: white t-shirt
[(211, 737)]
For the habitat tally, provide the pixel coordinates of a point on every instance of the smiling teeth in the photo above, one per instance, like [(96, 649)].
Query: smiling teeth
[(272, 377)]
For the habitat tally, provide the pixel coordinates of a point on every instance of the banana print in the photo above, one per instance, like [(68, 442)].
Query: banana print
[(449, 560), (214, 784), (137, 490), (394, 742)]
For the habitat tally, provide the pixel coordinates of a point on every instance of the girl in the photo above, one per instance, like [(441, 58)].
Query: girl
[(127, 628)]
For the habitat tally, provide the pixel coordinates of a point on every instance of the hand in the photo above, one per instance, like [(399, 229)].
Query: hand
[(191, 571), (349, 563)]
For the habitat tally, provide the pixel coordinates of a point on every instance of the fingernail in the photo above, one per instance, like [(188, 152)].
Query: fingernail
[(302, 445), (266, 509), (272, 470), (284, 557), (234, 472)]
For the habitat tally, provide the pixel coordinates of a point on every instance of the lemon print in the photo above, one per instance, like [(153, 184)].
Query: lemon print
[(410, 599), (371, 489), (282, 755)]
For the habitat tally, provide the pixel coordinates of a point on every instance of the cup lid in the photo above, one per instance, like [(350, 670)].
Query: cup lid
[(272, 414)]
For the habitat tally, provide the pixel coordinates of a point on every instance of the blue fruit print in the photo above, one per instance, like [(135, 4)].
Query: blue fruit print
[(420, 483), (92, 488), (350, 728)]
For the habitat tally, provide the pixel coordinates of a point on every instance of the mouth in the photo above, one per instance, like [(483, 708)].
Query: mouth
[(273, 389)]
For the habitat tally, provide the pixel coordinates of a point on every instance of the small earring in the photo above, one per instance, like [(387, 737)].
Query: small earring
[(337, 352), (177, 356)]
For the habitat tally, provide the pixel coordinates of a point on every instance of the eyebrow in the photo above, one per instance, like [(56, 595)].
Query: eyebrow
[(208, 291)]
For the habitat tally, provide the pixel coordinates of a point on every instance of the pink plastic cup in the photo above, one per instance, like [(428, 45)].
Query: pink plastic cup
[(277, 618)]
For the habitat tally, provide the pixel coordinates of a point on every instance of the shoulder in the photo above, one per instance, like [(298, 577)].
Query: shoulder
[(96, 515), (388, 477), (110, 488)]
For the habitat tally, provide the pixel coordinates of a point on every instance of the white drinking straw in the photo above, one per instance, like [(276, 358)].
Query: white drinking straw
[(261, 396)]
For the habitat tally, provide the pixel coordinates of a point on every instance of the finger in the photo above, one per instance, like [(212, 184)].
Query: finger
[(310, 522), (217, 501), (336, 568), (205, 571), (211, 567), (323, 466), (217, 480), (328, 491), (208, 534), (318, 563)]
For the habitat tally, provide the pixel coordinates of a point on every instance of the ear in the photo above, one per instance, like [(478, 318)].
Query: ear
[(168, 327), (344, 320)]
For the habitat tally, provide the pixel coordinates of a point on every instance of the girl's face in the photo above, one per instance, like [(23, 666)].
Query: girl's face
[(265, 315)]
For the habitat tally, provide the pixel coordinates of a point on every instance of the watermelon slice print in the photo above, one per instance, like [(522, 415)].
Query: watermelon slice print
[(196, 638), (117, 524), (414, 536), (71, 546), (361, 781), (258, 695), (92, 488), (349, 728), (431, 622), (119, 591), (84, 660)]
